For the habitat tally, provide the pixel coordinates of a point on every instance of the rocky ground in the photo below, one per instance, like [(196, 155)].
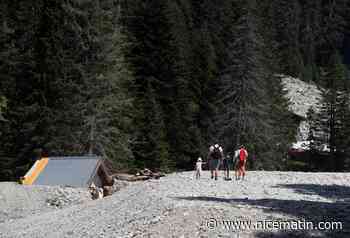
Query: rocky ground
[(302, 97), (18, 201), (180, 206)]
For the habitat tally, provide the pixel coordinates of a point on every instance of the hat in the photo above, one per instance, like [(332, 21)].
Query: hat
[(199, 159), (216, 145), (211, 148)]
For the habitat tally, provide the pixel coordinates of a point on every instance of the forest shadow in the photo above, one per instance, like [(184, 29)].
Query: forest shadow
[(310, 211), (337, 192), (295, 234)]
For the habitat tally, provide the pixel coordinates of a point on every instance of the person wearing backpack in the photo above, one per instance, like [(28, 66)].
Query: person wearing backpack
[(215, 156), (243, 155)]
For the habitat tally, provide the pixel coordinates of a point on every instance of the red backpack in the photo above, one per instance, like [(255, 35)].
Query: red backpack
[(242, 154)]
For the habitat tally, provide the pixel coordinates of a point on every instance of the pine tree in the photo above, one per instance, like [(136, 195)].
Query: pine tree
[(244, 117), (66, 67), (153, 59), (150, 148), (107, 106), (284, 127), (310, 41), (286, 17), (27, 73), (332, 118)]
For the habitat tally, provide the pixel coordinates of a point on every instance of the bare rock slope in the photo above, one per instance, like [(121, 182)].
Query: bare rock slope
[(180, 206), (302, 97)]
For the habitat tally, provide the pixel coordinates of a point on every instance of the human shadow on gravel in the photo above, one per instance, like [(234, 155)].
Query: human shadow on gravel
[(327, 191), (313, 211)]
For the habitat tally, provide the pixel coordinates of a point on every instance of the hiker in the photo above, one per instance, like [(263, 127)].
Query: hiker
[(215, 156), (199, 168), (226, 164), (235, 161), (243, 155)]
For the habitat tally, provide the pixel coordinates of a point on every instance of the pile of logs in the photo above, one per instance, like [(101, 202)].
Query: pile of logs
[(143, 174)]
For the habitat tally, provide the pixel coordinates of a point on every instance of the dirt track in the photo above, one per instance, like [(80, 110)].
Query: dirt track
[(180, 206)]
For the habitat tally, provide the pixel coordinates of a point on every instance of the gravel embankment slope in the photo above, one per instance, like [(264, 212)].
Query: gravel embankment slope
[(19, 201), (179, 206)]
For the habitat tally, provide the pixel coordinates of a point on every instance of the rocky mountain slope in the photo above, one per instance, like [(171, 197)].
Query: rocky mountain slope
[(302, 97)]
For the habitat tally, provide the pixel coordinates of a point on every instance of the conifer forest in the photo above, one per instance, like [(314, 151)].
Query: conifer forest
[(153, 83)]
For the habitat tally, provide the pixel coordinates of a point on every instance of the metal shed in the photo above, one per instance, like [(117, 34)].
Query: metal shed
[(75, 171)]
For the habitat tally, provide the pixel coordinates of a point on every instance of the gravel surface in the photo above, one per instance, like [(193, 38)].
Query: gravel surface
[(19, 201), (180, 206)]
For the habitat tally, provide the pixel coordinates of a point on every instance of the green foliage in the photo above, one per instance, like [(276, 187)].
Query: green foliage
[(3, 106), (154, 83), (67, 82), (330, 125), (150, 147)]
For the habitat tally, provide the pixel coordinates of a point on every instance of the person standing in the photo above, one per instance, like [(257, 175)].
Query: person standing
[(243, 155), (211, 149), (199, 168), (215, 157), (226, 164), (235, 161)]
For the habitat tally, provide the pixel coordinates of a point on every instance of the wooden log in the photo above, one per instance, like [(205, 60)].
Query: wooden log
[(130, 177), (107, 191)]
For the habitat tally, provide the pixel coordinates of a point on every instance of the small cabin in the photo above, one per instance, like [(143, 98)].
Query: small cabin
[(73, 171)]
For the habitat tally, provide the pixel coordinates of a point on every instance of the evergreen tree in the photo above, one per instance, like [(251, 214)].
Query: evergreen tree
[(152, 58), (150, 147), (29, 74), (66, 68), (107, 106), (330, 124), (83, 77), (286, 17), (283, 126), (244, 91)]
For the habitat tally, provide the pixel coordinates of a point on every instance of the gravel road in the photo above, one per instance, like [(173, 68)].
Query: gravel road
[(180, 206)]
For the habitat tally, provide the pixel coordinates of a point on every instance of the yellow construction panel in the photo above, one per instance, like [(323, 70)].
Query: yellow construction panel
[(39, 166)]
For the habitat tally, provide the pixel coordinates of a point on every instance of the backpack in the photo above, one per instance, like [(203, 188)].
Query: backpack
[(216, 153), (242, 155)]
